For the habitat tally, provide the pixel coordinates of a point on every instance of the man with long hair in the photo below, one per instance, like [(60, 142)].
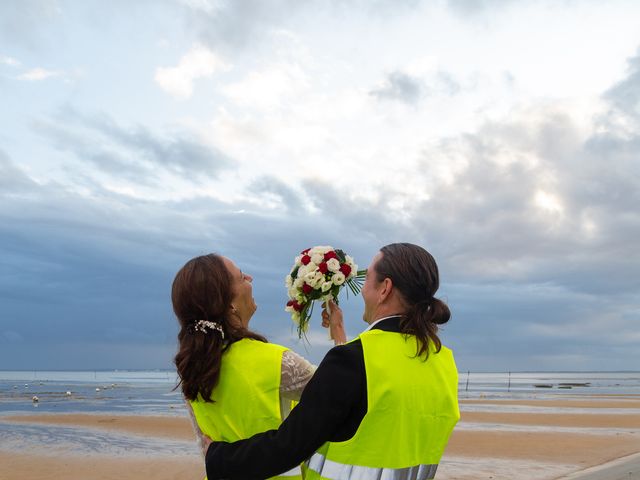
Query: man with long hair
[(380, 406)]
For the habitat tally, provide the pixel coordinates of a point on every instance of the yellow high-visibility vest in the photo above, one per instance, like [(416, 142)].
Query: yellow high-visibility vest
[(412, 407), (247, 396)]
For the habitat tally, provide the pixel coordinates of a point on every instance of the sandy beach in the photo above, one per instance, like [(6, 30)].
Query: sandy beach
[(587, 438)]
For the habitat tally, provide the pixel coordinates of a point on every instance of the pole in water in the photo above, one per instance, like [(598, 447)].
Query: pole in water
[(509, 385), (466, 389)]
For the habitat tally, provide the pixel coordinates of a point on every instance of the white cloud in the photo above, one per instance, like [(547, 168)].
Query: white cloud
[(199, 62), (38, 74), (12, 62), (266, 88)]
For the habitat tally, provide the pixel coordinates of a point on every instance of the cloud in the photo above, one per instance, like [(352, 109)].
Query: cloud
[(625, 95), (400, 86), (269, 186), (21, 22), (471, 8), (38, 74), (411, 89), (96, 267), (12, 62), (266, 88), (231, 26), (132, 152), (199, 62), (12, 178)]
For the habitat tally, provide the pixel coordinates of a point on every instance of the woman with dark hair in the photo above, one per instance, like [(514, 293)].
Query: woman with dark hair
[(235, 383)]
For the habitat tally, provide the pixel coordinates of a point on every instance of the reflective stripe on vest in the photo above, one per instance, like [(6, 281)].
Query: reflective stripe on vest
[(339, 471), (294, 472)]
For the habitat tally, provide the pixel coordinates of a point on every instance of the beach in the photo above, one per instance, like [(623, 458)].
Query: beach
[(591, 438), (133, 425)]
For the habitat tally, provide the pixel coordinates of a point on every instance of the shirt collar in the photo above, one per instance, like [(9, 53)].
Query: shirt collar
[(378, 321)]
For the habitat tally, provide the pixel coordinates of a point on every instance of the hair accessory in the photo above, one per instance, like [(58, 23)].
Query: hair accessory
[(203, 325)]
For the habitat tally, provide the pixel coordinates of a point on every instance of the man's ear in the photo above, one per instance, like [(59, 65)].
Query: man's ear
[(387, 288)]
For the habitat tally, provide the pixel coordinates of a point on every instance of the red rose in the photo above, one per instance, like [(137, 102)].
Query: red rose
[(290, 303), (323, 267), (296, 306), (305, 251), (330, 255), (305, 260), (306, 288), (346, 269)]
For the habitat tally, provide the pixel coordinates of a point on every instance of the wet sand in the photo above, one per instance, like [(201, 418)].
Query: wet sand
[(585, 438)]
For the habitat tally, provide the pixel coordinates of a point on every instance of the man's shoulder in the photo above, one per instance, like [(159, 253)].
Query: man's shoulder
[(345, 354)]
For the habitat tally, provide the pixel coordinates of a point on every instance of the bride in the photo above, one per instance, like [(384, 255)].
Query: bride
[(235, 383)]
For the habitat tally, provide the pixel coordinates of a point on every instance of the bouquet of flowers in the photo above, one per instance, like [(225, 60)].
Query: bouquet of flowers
[(318, 274)]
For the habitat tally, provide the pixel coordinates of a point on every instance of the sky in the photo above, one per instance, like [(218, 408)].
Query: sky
[(502, 136)]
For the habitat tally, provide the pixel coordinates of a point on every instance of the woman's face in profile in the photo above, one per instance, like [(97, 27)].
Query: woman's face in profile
[(243, 300)]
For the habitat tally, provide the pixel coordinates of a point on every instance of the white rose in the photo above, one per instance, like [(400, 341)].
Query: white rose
[(338, 278), (298, 260), (293, 291), (289, 309), (288, 281), (326, 286), (354, 270), (297, 283), (333, 265), (302, 271), (317, 258)]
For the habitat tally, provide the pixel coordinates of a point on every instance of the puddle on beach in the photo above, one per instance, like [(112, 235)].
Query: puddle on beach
[(54, 439)]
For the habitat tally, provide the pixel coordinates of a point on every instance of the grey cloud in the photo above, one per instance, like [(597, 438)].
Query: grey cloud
[(97, 269), (12, 179), (400, 86), (119, 150), (236, 24), (233, 25), (21, 21), (472, 8), (408, 89), (447, 83), (625, 95), (287, 197)]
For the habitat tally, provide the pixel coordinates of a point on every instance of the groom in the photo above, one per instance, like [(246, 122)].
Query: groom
[(381, 406)]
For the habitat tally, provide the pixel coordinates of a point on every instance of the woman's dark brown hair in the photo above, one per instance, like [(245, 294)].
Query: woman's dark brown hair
[(203, 290), (414, 273)]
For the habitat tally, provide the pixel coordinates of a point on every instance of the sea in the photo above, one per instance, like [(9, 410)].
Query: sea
[(153, 392)]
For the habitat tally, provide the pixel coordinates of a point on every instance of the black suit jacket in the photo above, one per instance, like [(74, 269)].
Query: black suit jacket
[(333, 404)]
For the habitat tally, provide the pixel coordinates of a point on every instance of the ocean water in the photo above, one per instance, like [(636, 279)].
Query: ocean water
[(123, 392), (523, 385), (152, 392)]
